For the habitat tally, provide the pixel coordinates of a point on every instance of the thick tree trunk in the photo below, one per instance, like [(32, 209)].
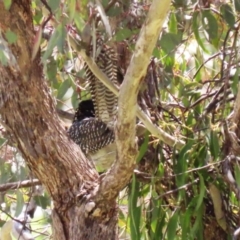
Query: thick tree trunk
[(28, 112)]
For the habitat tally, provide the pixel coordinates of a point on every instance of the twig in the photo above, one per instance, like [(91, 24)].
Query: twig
[(178, 189), (200, 67), (63, 114), (20, 184)]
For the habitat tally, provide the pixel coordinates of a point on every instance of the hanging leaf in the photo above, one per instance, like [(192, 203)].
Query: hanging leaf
[(195, 27), (228, 14), (51, 44), (201, 193), (123, 34), (170, 41), (11, 36), (237, 5), (42, 201), (134, 210), (234, 83), (2, 141), (74, 100), (71, 9), (185, 222), (197, 230), (20, 202), (143, 148), (61, 37), (214, 144), (172, 226), (63, 89), (210, 24), (157, 217), (3, 58), (173, 23), (54, 4)]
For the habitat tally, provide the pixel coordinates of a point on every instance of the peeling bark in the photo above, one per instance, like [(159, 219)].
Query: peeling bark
[(28, 112)]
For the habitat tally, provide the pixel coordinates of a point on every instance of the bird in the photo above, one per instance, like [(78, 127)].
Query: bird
[(93, 136), (93, 124)]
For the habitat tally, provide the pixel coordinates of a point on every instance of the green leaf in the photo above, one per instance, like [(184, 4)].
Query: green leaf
[(72, 9), (37, 17), (63, 89), (234, 83), (143, 148), (185, 222), (51, 44), (180, 163), (156, 217), (74, 100), (156, 53), (57, 39), (172, 226), (237, 174), (237, 5), (195, 28), (61, 37), (210, 24), (105, 3), (43, 201), (168, 61), (11, 36), (228, 14), (123, 34), (201, 194), (20, 203), (197, 230), (161, 223), (2, 141), (54, 4), (52, 73), (169, 41), (173, 23), (79, 21), (3, 58), (134, 210), (180, 3), (214, 144), (7, 4), (114, 11), (5, 172)]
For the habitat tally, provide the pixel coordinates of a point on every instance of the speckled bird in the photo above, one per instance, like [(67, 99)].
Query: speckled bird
[(92, 127)]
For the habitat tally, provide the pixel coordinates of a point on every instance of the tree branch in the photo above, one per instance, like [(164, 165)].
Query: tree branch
[(125, 132), (64, 114), (20, 184)]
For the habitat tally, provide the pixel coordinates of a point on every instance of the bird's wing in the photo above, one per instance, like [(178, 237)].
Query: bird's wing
[(91, 134)]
